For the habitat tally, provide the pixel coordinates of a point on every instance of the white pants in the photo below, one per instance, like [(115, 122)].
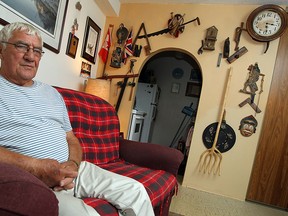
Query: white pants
[(126, 194)]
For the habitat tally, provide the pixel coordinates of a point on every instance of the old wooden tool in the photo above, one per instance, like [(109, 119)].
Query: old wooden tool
[(200, 50), (251, 103), (226, 48), (237, 54), (238, 32), (211, 38), (210, 160), (167, 30), (132, 85), (174, 23), (147, 48)]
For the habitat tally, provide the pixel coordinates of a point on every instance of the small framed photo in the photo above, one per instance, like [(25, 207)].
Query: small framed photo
[(91, 39), (193, 89), (195, 75), (175, 88), (85, 70), (72, 45)]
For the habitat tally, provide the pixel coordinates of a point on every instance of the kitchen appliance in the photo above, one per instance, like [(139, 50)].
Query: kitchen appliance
[(136, 125), (147, 97)]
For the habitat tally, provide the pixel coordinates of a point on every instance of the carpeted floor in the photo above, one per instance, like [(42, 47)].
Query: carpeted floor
[(174, 214), (190, 202)]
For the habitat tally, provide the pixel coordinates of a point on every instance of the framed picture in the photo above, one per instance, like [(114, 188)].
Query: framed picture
[(91, 39), (2, 23), (72, 45), (49, 19), (175, 88), (85, 70), (193, 89), (195, 75)]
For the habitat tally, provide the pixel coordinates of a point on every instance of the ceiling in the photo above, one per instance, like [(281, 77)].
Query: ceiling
[(256, 2)]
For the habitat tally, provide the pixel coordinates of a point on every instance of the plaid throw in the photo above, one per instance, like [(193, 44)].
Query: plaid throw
[(96, 125)]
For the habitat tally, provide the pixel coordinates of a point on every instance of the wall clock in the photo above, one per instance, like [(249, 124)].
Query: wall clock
[(177, 73), (267, 23)]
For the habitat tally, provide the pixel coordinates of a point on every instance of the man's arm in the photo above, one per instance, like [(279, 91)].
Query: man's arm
[(75, 149), (74, 160), (16, 159), (47, 170)]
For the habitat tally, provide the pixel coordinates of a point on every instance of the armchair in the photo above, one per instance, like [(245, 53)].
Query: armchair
[(96, 125)]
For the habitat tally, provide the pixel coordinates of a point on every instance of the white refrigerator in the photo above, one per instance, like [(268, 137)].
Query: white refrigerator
[(147, 97)]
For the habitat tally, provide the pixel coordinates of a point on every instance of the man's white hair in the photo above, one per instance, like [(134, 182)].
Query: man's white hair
[(7, 31)]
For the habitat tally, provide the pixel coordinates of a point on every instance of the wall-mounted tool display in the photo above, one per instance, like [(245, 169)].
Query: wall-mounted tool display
[(175, 24), (210, 159), (226, 48), (176, 27), (211, 38), (250, 87), (137, 48), (237, 37), (124, 83), (219, 59), (237, 54)]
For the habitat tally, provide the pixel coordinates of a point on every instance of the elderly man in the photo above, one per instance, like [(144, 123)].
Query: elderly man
[(36, 134)]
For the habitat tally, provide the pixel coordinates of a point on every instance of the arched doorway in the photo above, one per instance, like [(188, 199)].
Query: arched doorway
[(176, 75)]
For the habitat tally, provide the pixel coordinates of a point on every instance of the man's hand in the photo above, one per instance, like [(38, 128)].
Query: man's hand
[(54, 174), (69, 169)]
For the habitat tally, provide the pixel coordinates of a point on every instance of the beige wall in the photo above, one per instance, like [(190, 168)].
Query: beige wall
[(237, 163)]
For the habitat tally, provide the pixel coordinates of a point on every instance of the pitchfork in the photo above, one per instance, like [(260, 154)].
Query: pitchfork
[(211, 158)]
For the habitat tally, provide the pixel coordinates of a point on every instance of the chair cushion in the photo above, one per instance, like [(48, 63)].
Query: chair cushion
[(96, 127), (101, 206), (160, 185)]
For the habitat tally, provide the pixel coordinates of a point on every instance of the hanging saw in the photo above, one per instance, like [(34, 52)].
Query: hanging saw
[(175, 25)]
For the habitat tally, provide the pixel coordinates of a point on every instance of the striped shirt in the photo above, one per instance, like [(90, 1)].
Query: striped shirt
[(33, 120)]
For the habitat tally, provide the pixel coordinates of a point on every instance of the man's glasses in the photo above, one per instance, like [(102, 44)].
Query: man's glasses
[(24, 48)]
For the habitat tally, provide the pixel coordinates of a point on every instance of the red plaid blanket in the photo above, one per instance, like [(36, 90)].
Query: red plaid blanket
[(96, 125)]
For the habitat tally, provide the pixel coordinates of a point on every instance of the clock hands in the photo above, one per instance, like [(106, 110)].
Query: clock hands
[(270, 24)]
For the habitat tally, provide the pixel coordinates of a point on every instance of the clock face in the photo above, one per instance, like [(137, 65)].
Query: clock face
[(267, 23)]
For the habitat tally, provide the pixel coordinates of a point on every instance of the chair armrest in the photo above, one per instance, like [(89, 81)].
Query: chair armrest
[(150, 155), (24, 194)]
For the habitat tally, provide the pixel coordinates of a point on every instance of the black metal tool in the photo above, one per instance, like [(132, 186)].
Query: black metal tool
[(124, 84)]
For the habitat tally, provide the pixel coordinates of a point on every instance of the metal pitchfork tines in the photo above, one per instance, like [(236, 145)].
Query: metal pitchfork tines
[(211, 158)]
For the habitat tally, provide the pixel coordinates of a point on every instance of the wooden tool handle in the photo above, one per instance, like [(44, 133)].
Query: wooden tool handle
[(222, 108)]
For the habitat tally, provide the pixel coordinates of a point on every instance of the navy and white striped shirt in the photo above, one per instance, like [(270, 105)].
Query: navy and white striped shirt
[(33, 120)]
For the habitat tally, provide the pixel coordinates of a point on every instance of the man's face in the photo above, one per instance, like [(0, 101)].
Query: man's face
[(18, 67)]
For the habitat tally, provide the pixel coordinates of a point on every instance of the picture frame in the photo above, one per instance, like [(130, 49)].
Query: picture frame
[(72, 45), (175, 88), (51, 27), (90, 40), (193, 89), (85, 70), (195, 75)]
